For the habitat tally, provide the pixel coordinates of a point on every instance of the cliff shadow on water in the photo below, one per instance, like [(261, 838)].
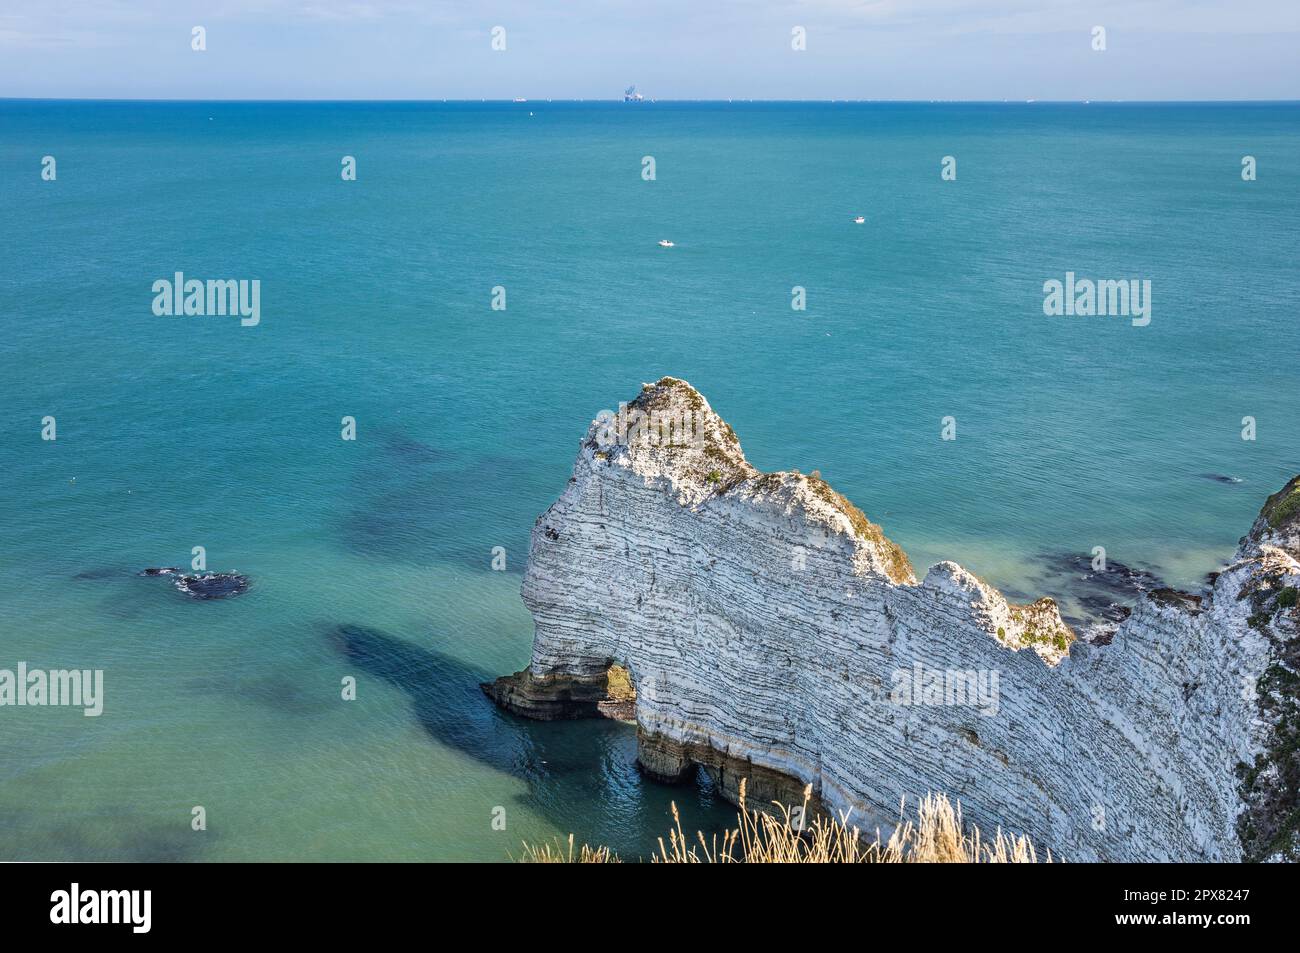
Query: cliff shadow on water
[(572, 769)]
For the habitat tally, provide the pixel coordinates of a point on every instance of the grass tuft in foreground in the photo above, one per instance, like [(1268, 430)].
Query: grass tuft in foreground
[(936, 835), (555, 853)]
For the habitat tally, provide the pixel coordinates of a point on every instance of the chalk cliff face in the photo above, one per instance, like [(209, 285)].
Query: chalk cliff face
[(772, 632)]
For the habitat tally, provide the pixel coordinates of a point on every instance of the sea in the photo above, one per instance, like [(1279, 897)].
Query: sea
[(392, 562)]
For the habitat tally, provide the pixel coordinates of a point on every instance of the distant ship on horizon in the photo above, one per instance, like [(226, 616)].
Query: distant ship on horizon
[(630, 95)]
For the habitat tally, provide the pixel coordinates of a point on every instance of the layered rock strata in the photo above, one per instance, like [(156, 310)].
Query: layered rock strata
[(773, 632)]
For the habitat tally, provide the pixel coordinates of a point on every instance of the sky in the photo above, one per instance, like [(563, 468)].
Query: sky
[(671, 49)]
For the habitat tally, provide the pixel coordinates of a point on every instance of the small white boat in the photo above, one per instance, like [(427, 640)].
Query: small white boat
[(860, 220), (665, 243)]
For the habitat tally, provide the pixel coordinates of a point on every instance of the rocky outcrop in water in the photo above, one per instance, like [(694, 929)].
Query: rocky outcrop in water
[(771, 631), (203, 585), (213, 585)]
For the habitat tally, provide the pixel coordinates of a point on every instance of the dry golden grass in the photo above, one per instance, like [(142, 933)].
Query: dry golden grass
[(937, 835), (555, 853)]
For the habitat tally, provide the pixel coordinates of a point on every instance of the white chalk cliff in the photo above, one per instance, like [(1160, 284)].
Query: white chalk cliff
[(772, 632)]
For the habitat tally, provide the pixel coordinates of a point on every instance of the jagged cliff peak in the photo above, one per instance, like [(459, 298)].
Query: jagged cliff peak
[(670, 432)]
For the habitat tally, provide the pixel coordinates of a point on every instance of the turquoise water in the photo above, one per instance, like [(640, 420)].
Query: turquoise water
[(372, 558)]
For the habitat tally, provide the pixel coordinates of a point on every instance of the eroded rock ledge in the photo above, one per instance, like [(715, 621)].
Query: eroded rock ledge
[(772, 631), (557, 695)]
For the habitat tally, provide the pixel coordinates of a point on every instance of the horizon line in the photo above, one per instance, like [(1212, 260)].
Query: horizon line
[(519, 101)]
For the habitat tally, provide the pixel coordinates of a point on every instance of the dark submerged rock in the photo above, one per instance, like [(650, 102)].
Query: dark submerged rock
[(213, 585), (105, 572), (1103, 598)]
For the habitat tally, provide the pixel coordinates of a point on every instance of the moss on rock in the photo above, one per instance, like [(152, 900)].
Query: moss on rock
[(897, 566), (1269, 828), (1282, 509)]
